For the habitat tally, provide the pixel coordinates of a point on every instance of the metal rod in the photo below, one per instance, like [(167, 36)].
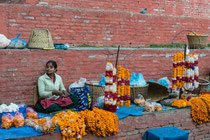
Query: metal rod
[(118, 50)]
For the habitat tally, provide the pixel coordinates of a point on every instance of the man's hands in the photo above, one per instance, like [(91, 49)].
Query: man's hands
[(61, 93)]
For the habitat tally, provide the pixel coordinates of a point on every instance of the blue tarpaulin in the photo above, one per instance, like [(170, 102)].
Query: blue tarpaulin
[(166, 133)]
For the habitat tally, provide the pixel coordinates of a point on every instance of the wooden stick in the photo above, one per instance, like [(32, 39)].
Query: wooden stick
[(118, 50)]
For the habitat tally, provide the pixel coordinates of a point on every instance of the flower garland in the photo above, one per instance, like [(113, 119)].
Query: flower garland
[(123, 87), (178, 71), (100, 122), (71, 124), (110, 99), (200, 109), (185, 72)]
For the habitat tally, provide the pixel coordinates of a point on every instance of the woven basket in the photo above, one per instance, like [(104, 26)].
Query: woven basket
[(197, 41), (156, 91), (40, 39), (96, 90), (135, 90)]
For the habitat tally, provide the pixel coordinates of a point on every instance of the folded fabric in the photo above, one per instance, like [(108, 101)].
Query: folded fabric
[(61, 101)]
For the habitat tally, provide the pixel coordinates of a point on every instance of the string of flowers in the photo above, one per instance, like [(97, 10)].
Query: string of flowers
[(110, 98), (178, 71), (123, 86), (71, 124), (127, 100), (185, 72), (200, 109), (100, 122)]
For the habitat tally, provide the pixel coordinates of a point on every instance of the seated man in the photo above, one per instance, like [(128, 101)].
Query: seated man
[(52, 93)]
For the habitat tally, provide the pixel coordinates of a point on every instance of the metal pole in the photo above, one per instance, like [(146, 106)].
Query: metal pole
[(118, 50)]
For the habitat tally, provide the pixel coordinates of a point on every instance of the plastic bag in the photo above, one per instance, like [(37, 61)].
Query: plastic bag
[(7, 121), (18, 120), (102, 82), (30, 113), (164, 81), (139, 100), (81, 83), (17, 43), (149, 107), (100, 102), (85, 97), (158, 107), (4, 42), (137, 80)]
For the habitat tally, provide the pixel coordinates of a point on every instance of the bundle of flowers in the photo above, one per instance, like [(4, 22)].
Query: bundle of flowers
[(123, 86), (196, 34), (185, 72), (191, 72), (181, 103), (178, 71), (71, 124), (100, 122), (200, 109), (110, 99), (44, 125)]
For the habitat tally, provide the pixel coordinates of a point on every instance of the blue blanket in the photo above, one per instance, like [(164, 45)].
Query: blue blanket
[(14, 133), (133, 110), (166, 133)]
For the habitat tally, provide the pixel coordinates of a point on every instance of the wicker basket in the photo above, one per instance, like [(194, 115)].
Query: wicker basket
[(135, 90), (40, 39), (156, 91), (96, 90), (197, 41)]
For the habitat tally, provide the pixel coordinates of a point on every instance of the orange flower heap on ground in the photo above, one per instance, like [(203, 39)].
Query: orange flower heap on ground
[(71, 124), (200, 109), (196, 34), (181, 103), (100, 122)]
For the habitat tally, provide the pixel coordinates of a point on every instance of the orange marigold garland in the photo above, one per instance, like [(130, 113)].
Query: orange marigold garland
[(71, 124), (200, 109), (100, 122), (123, 87)]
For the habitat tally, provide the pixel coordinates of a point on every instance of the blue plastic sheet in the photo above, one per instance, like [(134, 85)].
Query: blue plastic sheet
[(22, 132), (133, 110), (166, 133)]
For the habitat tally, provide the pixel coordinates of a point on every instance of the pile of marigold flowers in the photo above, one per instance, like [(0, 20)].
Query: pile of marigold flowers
[(181, 103), (100, 122), (71, 124), (196, 34), (200, 109)]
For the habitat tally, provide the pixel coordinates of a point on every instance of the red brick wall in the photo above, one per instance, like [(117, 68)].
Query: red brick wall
[(20, 69), (107, 22)]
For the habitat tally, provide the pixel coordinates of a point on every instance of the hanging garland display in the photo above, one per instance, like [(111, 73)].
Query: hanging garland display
[(123, 87), (110, 98), (185, 72), (191, 72)]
